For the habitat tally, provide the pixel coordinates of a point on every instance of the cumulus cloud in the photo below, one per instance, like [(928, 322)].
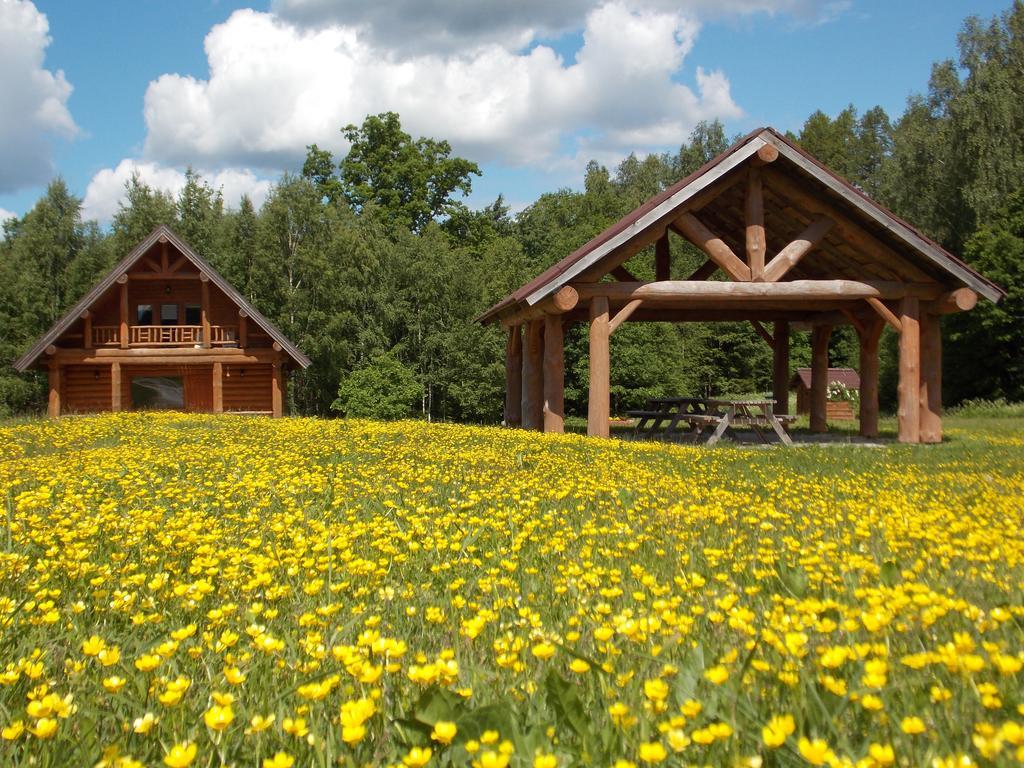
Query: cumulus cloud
[(107, 187), (276, 86), (5, 215), (411, 27), (33, 100)]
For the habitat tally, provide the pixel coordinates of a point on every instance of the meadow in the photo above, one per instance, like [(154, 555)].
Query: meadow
[(195, 590)]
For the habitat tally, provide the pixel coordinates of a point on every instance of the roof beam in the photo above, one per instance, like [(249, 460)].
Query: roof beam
[(754, 214), (690, 227), (752, 293), (789, 256)]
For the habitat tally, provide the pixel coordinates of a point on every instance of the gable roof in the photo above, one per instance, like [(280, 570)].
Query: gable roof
[(163, 231), (848, 377), (663, 207)]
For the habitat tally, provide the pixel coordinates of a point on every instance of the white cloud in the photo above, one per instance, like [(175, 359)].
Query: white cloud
[(276, 86), (5, 215), (33, 100), (107, 187)]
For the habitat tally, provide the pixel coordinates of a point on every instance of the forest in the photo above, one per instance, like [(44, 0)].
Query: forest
[(375, 267)]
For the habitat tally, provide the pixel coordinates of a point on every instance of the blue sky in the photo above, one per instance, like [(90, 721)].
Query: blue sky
[(532, 93)]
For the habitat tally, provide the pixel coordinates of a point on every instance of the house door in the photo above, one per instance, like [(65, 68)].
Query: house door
[(199, 390)]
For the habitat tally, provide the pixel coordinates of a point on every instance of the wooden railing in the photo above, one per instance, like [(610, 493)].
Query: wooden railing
[(164, 335)]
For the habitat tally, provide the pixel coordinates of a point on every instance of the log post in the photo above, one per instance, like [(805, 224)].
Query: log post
[(204, 308), (554, 375), (243, 329), (218, 388), (780, 367), (123, 280), (87, 329), (533, 376), (514, 377), (909, 409), (598, 402), (756, 246), (819, 377), (115, 387), (277, 390), (868, 336), (662, 258), (53, 405), (931, 378)]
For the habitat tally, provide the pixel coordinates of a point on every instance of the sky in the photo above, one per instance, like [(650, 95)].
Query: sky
[(530, 89)]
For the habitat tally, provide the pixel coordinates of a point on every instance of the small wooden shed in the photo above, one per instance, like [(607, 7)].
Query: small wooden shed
[(789, 244), (838, 410), (163, 330)]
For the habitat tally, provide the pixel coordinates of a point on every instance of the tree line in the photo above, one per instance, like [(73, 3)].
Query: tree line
[(375, 267)]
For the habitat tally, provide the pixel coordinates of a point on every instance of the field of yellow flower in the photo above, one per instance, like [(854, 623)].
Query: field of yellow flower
[(183, 590)]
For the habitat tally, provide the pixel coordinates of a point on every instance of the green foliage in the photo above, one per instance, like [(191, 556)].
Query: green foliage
[(381, 389)]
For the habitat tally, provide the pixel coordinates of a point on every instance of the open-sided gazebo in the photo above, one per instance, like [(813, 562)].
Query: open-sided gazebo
[(800, 246)]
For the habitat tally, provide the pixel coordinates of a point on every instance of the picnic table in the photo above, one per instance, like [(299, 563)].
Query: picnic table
[(703, 413)]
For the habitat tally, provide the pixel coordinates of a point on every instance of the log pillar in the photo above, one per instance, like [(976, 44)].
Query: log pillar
[(931, 378), (780, 367), (115, 387), (218, 388), (868, 336), (514, 377), (598, 401), (533, 376), (204, 308), (819, 377), (53, 404), (909, 409), (662, 258), (123, 280), (554, 375), (754, 214), (243, 329), (87, 329), (277, 390)]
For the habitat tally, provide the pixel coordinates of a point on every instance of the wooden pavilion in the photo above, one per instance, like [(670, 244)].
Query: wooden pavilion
[(164, 330), (800, 246)]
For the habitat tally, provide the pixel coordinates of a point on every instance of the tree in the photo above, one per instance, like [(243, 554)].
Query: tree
[(141, 211), (412, 180), (381, 389), (320, 169)]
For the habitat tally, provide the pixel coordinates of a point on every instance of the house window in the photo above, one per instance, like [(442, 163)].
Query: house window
[(155, 393), (168, 314), (144, 314), (193, 314)]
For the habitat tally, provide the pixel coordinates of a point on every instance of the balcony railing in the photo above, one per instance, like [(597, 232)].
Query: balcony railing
[(164, 335)]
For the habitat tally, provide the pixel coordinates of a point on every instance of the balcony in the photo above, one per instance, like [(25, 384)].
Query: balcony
[(165, 336)]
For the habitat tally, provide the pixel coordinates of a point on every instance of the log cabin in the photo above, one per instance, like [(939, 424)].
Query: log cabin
[(835, 410), (788, 245), (163, 330)]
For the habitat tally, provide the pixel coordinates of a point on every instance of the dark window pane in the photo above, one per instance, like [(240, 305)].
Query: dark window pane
[(168, 314), (145, 314), (193, 314), (156, 393)]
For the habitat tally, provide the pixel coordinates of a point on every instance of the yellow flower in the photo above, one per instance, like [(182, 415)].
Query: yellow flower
[(779, 728), (44, 728), (147, 662), (542, 760), (295, 727), (113, 684), (279, 760), (93, 646), (543, 651), (218, 718), (579, 666), (144, 724), (234, 675), (260, 723), (815, 752), (717, 675), (652, 752), (353, 734), (108, 657), (417, 757), (181, 755), (443, 732), (882, 754), (13, 731), (912, 725)]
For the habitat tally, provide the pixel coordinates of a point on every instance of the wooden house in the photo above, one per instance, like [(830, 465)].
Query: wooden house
[(835, 410), (788, 244), (163, 330)]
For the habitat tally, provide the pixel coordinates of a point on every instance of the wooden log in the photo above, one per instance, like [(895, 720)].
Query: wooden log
[(277, 390), (742, 293), (218, 388), (766, 154), (931, 379), (662, 258), (909, 391), (704, 271), (624, 314), (760, 329), (868, 334), (163, 257), (514, 377), (717, 250), (621, 273), (124, 312), (115, 387), (819, 377), (53, 404), (533, 375), (87, 329), (598, 400), (754, 211), (780, 367), (960, 300), (554, 375), (563, 300), (243, 330), (204, 311), (791, 255), (885, 313)]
